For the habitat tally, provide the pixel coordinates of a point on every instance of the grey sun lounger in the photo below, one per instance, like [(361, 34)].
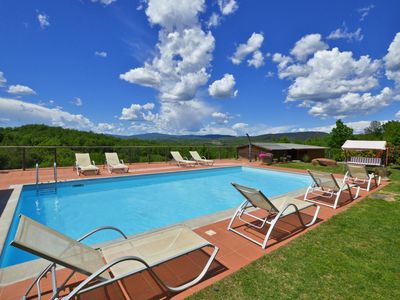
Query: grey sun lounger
[(201, 160), (276, 209), (359, 174), (114, 163), (84, 164), (182, 161), (106, 265), (325, 185)]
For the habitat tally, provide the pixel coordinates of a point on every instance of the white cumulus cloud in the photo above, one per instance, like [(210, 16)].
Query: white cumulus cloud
[(101, 54), (224, 87), (3, 80), (20, 113), (221, 118), (257, 60), (364, 11), (214, 20), (137, 112), (344, 33), (20, 90), (180, 67), (174, 14), (333, 83), (307, 45), (105, 2), (397, 115), (227, 7), (392, 60), (43, 20), (252, 45), (77, 101)]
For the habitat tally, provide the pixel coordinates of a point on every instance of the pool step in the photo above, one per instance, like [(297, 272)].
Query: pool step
[(47, 188)]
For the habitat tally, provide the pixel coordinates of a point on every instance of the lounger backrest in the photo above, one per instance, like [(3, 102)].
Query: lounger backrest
[(357, 171), (49, 244), (176, 155), (256, 198), (112, 158), (195, 155), (325, 181), (83, 159)]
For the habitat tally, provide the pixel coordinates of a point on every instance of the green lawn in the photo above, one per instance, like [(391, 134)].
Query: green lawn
[(339, 169), (354, 255)]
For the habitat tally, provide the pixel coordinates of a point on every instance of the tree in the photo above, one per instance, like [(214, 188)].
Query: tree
[(340, 134), (284, 139), (374, 128), (391, 132)]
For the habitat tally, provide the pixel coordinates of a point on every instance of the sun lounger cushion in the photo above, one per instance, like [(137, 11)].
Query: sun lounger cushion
[(155, 248), (281, 202)]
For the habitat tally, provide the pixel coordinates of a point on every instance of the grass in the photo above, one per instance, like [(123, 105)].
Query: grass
[(354, 255), (339, 169)]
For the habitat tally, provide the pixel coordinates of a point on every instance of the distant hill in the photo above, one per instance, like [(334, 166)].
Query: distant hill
[(228, 139)]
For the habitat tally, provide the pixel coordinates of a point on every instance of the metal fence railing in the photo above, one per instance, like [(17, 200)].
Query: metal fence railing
[(23, 157)]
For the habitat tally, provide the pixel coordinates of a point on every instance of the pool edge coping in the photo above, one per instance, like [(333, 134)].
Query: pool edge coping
[(27, 270)]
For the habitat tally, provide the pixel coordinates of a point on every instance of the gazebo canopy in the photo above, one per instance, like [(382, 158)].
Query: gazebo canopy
[(364, 145)]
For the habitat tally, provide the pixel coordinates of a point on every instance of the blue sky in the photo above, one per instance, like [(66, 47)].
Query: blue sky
[(182, 67)]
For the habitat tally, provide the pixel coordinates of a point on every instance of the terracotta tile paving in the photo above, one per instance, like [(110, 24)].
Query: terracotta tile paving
[(235, 251)]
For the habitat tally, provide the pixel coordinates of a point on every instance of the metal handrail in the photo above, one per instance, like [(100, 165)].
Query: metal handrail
[(37, 177), (55, 175)]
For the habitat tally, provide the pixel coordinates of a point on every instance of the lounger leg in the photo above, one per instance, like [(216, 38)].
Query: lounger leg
[(271, 227), (237, 212), (369, 184), (314, 217), (308, 190), (337, 198)]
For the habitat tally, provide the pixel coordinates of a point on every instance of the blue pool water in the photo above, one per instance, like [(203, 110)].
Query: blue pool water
[(139, 203)]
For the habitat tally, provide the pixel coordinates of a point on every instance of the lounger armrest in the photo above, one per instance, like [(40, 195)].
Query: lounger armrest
[(203, 157), (100, 229), (93, 163), (122, 162)]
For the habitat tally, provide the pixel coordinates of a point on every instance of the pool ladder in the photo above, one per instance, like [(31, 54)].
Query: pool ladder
[(46, 187)]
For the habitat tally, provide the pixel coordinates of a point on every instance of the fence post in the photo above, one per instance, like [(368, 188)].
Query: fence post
[(55, 155), (23, 159)]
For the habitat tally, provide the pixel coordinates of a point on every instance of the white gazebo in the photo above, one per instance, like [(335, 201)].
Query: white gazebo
[(355, 145)]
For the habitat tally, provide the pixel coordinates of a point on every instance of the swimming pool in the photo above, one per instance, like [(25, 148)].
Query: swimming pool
[(139, 203)]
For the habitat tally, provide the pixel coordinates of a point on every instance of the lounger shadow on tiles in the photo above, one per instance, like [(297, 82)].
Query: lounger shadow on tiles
[(106, 265), (325, 185), (84, 164), (276, 209)]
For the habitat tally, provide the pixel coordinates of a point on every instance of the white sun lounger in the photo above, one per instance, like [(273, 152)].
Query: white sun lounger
[(182, 161), (359, 174), (84, 164), (107, 264), (201, 160), (276, 209), (325, 185), (113, 162)]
